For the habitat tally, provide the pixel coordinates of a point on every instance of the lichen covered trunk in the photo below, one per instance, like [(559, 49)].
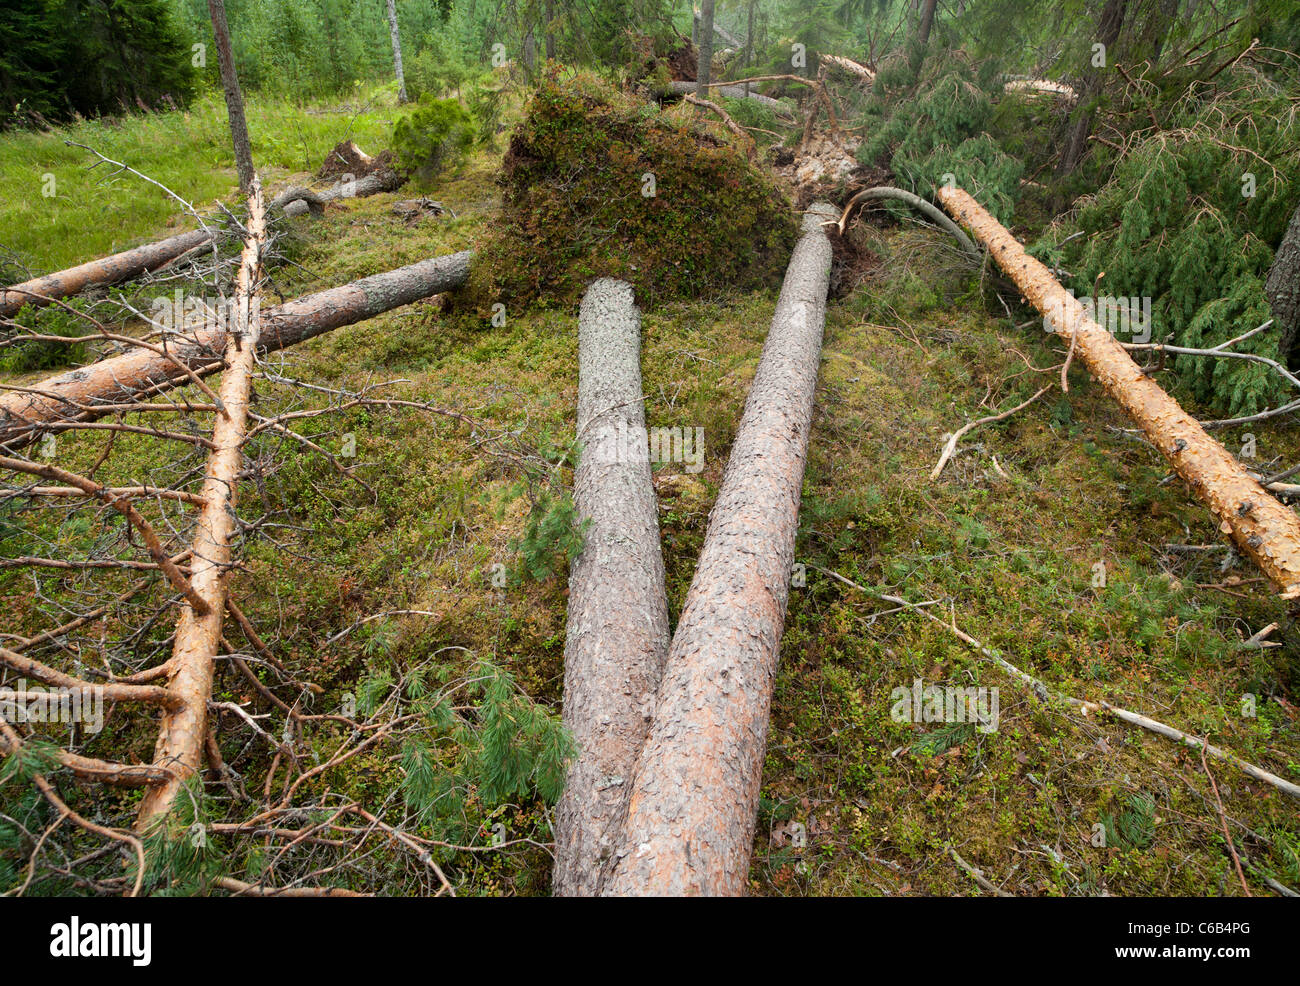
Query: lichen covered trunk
[(617, 633), (694, 796), (1263, 529), (93, 391)]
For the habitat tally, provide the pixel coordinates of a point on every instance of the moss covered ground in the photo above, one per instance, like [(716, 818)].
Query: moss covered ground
[(853, 802)]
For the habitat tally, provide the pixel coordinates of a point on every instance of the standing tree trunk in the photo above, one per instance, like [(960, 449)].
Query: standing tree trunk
[(1264, 530), (927, 21), (617, 634), (183, 728), (234, 98), (694, 797), (1283, 287), (749, 42), (705, 62), (1109, 25), (397, 50), (550, 30)]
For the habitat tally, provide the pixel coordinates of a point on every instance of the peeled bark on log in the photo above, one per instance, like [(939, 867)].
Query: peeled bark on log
[(182, 729), (1263, 529), (95, 390), (694, 798), (734, 92), (617, 633), (106, 270)]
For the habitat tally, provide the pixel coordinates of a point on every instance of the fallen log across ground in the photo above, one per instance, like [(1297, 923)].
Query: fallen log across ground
[(1263, 529), (693, 802), (735, 92), (617, 633), (106, 270), (184, 726), (39, 291), (113, 384)]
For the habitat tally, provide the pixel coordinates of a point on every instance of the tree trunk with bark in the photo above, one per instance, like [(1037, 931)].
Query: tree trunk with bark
[(397, 50), (106, 270), (694, 797), (95, 390), (129, 264), (617, 633), (183, 728), (1109, 25), (1263, 529), (704, 66), (1282, 289), (927, 21), (234, 97)]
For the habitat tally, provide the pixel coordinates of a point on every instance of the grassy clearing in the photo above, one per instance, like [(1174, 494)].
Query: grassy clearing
[(188, 151), (910, 354)]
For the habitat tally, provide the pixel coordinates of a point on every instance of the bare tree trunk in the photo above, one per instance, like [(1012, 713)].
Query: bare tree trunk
[(95, 390), (183, 729), (694, 797), (397, 50), (106, 270), (1264, 530), (705, 61), (234, 98), (927, 21), (1283, 287), (617, 634), (550, 30)]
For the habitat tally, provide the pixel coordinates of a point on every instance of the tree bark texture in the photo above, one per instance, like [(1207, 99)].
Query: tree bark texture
[(617, 634), (704, 67), (1282, 288), (694, 797), (106, 270), (397, 50), (1263, 529), (234, 97), (93, 391), (182, 729)]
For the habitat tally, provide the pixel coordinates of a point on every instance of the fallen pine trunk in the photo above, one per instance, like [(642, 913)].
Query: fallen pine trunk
[(106, 270), (1263, 529), (143, 259), (95, 390), (848, 65), (735, 92), (617, 633), (296, 201), (694, 796), (183, 728)]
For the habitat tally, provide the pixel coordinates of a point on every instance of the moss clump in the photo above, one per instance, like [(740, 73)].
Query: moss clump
[(600, 184)]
